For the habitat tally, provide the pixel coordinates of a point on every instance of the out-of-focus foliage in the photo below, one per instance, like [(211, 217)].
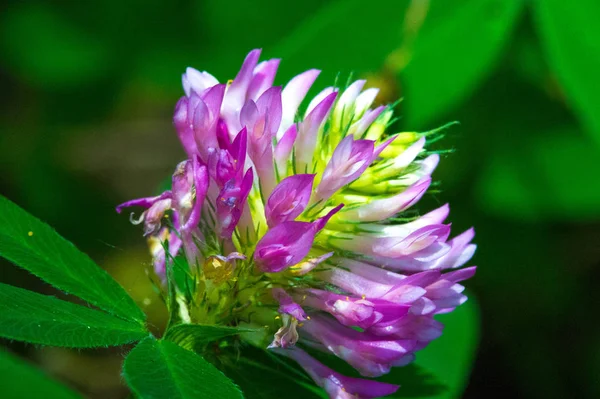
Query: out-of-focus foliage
[(85, 123), (454, 49), (15, 371), (570, 38)]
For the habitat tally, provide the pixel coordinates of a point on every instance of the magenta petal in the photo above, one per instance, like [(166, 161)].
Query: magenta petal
[(264, 75), (284, 245), (287, 304), (223, 137), (146, 202), (349, 160), (283, 149), (200, 188), (236, 93), (183, 125), (288, 199), (293, 94), (460, 275), (336, 385), (307, 132), (371, 355)]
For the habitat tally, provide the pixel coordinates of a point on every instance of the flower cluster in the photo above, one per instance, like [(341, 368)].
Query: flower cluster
[(297, 221)]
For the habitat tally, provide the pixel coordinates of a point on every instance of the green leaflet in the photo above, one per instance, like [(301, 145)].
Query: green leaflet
[(40, 319), (454, 50), (190, 335), (36, 247), (570, 35), (162, 369), (20, 380)]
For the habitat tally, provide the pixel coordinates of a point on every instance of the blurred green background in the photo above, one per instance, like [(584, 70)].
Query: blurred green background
[(88, 89)]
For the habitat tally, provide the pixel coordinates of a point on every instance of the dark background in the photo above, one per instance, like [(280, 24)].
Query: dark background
[(88, 88)]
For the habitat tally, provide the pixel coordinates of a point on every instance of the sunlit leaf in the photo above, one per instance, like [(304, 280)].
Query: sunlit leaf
[(20, 380), (571, 37), (455, 49), (41, 319), (162, 369), (36, 247)]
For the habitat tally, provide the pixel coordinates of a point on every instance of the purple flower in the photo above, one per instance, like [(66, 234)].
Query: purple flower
[(303, 223)]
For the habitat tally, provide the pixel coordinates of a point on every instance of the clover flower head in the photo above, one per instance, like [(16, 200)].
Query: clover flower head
[(297, 219)]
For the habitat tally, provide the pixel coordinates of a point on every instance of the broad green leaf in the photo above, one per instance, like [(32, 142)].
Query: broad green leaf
[(21, 380), (450, 357), (455, 49), (570, 34), (162, 369), (543, 177), (41, 319), (36, 247), (189, 336)]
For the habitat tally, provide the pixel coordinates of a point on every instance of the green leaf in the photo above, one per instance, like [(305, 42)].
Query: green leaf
[(450, 357), (542, 177), (455, 49), (571, 36), (41, 319), (189, 336), (20, 380), (162, 369), (36, 247)]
